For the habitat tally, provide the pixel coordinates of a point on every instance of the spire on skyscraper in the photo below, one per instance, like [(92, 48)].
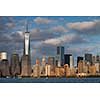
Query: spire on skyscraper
[(26, 28), (26, 39)]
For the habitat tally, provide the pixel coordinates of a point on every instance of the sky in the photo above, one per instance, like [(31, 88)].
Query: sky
[(78, 34)]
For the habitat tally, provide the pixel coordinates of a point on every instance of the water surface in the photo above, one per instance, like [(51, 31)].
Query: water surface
[(50, 80)]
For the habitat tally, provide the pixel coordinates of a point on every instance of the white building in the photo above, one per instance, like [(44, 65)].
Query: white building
[(3, 55), (71, 61)]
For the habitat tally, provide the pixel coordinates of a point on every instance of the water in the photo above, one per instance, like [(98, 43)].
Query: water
[(50, 80)]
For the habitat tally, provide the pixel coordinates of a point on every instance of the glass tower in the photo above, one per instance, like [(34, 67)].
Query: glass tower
[(60, 55)]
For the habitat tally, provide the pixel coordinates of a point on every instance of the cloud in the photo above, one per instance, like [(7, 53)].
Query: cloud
[(81, 49), (17, 36), (59, 29), (41, 20), (6, 24), (10, 25), (67, 38), (54, 41), (86, 27), (81, 25), (12, 37), (5, 38), (38, 34)]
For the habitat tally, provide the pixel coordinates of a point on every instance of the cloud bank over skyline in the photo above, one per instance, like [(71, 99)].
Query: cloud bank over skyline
[(77, 34), (86, 27)]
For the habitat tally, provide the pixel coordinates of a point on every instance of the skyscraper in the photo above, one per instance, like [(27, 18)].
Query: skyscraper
[(60, 55), (43, 61), (88, 58), (4, 65), (26, 60), (36, 69), (94, 59), (80, 66), (51, 61), (15, 68), (78, 59), (68, 59), (97, 58)]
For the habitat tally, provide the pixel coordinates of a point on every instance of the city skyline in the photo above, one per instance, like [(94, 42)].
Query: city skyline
[(79, 35)]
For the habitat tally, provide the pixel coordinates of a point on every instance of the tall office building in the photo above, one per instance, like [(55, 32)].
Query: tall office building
[(15, 68), (71, 61), (78, 59), (60, 55), (68, 59), (47, 70), (88, 58), (38, 61), (97, 65), (26, 59), (51, 61), (4, 65), (43, 61), (80, 66), (94, 59), (56, 60), (3, 55), (97, 58), (36, 69)]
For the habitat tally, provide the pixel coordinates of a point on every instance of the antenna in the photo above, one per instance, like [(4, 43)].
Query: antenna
[(26, 27)]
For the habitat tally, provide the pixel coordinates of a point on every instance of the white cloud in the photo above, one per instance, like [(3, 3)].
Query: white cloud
[(85, 27), (20, 33), (40, 20), (53, 41), (35, 31), (67, 38), (82, 25), (59, 28)]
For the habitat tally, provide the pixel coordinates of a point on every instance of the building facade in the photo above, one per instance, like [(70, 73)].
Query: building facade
[(68, 59), (15, 68), (60, 56), (88, 58)]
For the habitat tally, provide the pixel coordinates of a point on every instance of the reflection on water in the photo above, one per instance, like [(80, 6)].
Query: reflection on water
[(49, 80)]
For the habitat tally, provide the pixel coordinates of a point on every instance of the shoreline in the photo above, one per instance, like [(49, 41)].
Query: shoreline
[(91, 76)]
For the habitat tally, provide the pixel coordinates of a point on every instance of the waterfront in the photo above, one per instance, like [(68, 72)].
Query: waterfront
[(49, 80)]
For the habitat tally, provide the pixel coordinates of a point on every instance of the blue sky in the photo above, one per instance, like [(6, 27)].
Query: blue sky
[(78, 34)]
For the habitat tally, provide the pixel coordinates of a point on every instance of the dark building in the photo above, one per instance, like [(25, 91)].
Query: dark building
[(79, 59), (56, 61), (97, 58), (4, 68), (67, 59), (88, 58), (26, 59), (15, 68), (60, 55)]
